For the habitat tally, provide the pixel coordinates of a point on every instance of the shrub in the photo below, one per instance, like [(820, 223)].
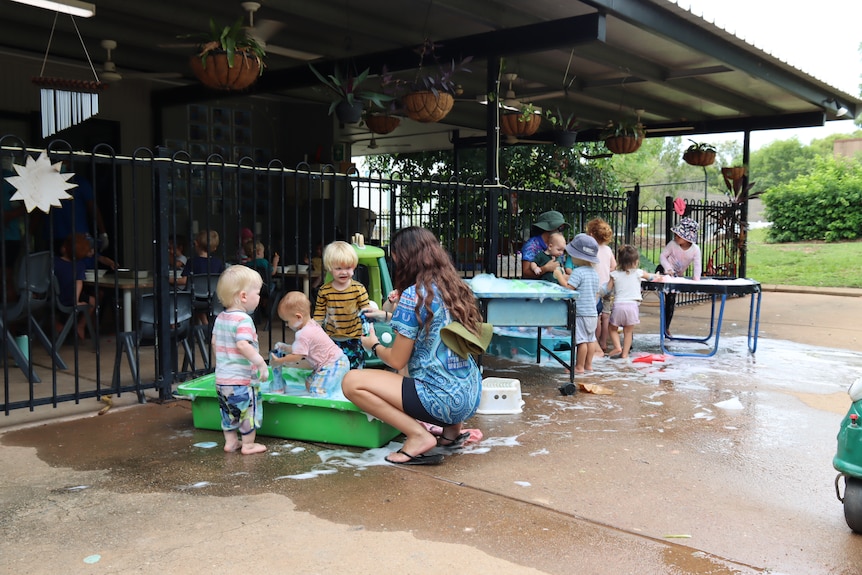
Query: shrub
[(825, 204)]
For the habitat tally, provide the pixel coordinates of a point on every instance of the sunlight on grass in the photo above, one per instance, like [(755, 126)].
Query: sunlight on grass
[(812, 264)]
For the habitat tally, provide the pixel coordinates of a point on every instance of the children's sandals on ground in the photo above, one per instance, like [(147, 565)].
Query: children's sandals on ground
[(423, 459), (457, 443)]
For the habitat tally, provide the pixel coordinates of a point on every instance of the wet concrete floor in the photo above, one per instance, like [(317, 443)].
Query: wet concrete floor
[(693, 466)]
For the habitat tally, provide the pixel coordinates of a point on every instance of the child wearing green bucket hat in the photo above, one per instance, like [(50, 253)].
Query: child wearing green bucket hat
[(540, 232)]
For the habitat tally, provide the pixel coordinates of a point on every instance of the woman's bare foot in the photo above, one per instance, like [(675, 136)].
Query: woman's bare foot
[(615, 352), (579, 370), (250, 448)]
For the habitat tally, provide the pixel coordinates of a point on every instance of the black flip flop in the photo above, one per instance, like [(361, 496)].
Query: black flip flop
[(456, 443), (422, 459)]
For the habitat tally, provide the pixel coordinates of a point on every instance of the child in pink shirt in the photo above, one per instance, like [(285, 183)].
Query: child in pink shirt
[(311, 343)]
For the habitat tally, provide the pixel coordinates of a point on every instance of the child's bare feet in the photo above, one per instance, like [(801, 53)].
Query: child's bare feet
[(249, 448), (232, 447), (579, 370)]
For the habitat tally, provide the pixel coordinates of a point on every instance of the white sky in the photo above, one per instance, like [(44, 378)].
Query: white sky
[(820, 38)]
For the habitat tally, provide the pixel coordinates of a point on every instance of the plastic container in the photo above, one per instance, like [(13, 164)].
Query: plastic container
[(500, 395), (298, 417)]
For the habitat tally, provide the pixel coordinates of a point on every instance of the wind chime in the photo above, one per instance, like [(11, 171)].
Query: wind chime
[(66, 102)]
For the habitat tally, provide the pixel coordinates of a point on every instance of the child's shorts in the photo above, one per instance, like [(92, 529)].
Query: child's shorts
[(354, 351), (326, 380), (241, 407), (625, 313), (585, 328)]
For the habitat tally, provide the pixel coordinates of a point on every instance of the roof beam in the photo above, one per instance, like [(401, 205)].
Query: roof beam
[(664, 22), (521, 40)]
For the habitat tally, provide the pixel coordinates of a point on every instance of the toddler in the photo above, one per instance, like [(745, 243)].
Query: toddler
[(176, 252), (206, 242), (235, 347), (328, 362), (340, 300), (603, 234), (675, 258), (583, 250), (556, 248), (625, 285)]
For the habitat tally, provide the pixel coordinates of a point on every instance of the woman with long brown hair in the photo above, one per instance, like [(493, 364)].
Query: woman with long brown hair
[(443, 388)]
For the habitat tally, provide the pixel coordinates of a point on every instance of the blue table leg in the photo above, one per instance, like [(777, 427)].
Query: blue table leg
[(714, 328), (754, 315)]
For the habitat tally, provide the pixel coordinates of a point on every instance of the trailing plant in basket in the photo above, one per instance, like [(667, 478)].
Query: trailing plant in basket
[(229, 39), (699, 154), (346, 88), (432, 75), (562, 122), (625, 129)]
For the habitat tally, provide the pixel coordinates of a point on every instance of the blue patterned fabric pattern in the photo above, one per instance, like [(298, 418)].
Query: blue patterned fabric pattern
[(448, 386)]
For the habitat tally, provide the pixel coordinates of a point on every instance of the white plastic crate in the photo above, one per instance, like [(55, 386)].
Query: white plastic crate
[(500, 395)]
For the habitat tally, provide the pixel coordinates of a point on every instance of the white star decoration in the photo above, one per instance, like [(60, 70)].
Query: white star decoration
[(40, 184)]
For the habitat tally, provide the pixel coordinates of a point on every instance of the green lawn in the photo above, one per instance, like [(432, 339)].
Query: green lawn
[(816, 264)]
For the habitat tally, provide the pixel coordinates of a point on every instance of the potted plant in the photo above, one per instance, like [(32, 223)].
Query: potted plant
[(733, 173), (737, 188), (429, 97), (624, 137), (565, 127), (699, 154), (228, 58), (350, 99), (524, 122)]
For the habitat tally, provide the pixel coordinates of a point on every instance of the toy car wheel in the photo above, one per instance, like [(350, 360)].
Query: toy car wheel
[(853, 503)]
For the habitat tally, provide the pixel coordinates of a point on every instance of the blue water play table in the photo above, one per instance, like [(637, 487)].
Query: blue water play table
[(531, 303), (717, 289)]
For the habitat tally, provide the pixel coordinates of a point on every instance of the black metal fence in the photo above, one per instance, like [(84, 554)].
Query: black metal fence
[(141, 338)]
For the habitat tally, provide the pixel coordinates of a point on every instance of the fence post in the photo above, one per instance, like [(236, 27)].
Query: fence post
[(165, 373), (492, 220), (668, 219), (632, 211)]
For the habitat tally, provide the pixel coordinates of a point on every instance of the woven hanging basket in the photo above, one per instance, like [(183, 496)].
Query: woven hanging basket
[(624, 144), (699, 157), (426, 106), (219, 76), (381, 123), (516, 125), (734, 173)]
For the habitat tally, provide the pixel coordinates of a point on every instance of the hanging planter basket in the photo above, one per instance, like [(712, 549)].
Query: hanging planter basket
[(427, 107), (219, 76), (382, 123), (733, 173), (565, 139), (624, 144), (349, 112), (516, 125), (699, 157)]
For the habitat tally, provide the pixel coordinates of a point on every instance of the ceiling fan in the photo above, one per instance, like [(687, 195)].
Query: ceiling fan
[(373, 145), (262, 31), (266, 29), (111, 75)]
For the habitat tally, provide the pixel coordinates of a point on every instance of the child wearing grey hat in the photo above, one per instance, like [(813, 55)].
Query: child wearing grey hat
[(584, 251)]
